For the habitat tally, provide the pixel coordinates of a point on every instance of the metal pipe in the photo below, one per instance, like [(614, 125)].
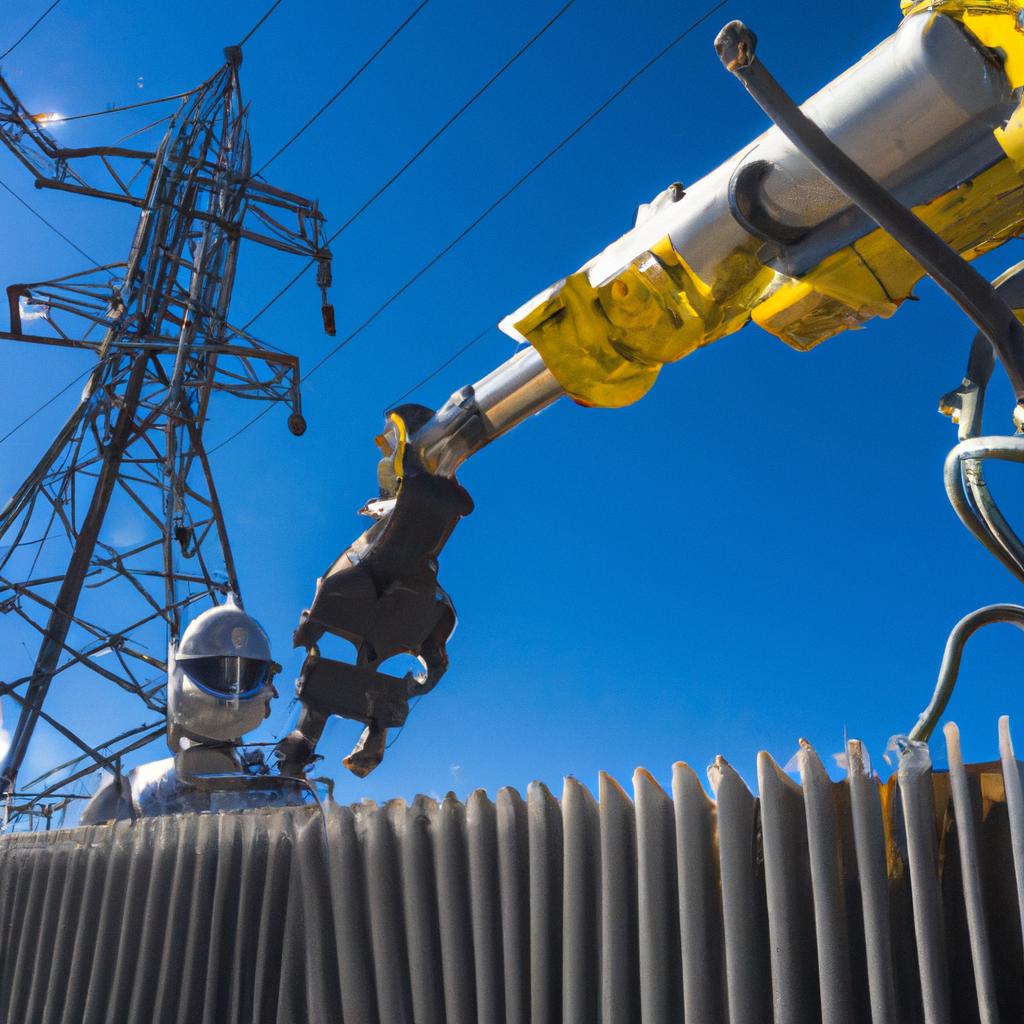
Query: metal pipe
[(479, 414), (950, 668), (989, 512), (966, 473), (985, 524)]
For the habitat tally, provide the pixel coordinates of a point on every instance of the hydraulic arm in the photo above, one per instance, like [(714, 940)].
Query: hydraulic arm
[(924, 136)]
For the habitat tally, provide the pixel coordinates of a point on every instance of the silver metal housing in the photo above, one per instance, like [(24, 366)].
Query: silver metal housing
[(192, 711), (473, 417)]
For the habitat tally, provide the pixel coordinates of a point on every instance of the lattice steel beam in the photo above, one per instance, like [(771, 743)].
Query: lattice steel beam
[(158, 324)]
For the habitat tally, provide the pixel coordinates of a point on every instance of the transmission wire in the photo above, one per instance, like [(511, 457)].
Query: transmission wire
[(266, 14), (17, 42), (466, 347), (57, 231), (127, 106), (481, 217), (444, 366), (362, 67), (419, 152), (53, 398)]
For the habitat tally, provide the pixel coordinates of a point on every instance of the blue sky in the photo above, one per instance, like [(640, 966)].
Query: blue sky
[(758, 551)]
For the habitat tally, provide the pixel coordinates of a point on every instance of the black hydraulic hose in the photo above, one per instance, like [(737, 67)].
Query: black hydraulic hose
[(736, 45), (983, 302), (950, 667)]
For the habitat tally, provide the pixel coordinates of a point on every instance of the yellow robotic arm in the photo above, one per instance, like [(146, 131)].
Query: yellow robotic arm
[(786, 234)]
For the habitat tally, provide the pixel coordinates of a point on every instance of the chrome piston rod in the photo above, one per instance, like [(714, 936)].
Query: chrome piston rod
[(478, 414)]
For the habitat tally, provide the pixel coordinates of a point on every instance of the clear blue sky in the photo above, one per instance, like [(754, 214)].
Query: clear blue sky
[(760, 550)]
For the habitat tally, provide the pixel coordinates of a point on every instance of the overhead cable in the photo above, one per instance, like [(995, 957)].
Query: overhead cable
[(127, 106), (465, 348), (487, 211), (24, 35), (266, 14), (419, 152), (430, 376), (57, 231), (352, 78), (53, 398)]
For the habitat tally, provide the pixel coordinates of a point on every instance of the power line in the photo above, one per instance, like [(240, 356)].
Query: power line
[(373, 56), (32, 415), (426, 145), (465, 348), (17, 42), (266, 14), (127, 106), (57, 231), (557, 148), (430, 376), (451, 120)]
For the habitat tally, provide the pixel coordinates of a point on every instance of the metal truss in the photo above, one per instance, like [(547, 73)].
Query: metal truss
[(118, 531)]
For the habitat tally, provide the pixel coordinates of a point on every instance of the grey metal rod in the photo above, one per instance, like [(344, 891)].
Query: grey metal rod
[(970, 454), (950, 667), (969, 516), (989, 512)]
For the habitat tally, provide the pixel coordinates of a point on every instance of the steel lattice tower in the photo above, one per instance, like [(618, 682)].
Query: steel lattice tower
[(158, 325)]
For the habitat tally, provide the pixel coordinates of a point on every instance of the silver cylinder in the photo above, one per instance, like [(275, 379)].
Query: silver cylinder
[(476, 415), (917, 113)]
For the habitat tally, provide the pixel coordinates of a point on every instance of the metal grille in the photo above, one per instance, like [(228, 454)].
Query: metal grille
[(817, 901)]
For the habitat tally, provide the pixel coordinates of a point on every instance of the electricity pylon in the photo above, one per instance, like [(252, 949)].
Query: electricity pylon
[(158, 324)]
